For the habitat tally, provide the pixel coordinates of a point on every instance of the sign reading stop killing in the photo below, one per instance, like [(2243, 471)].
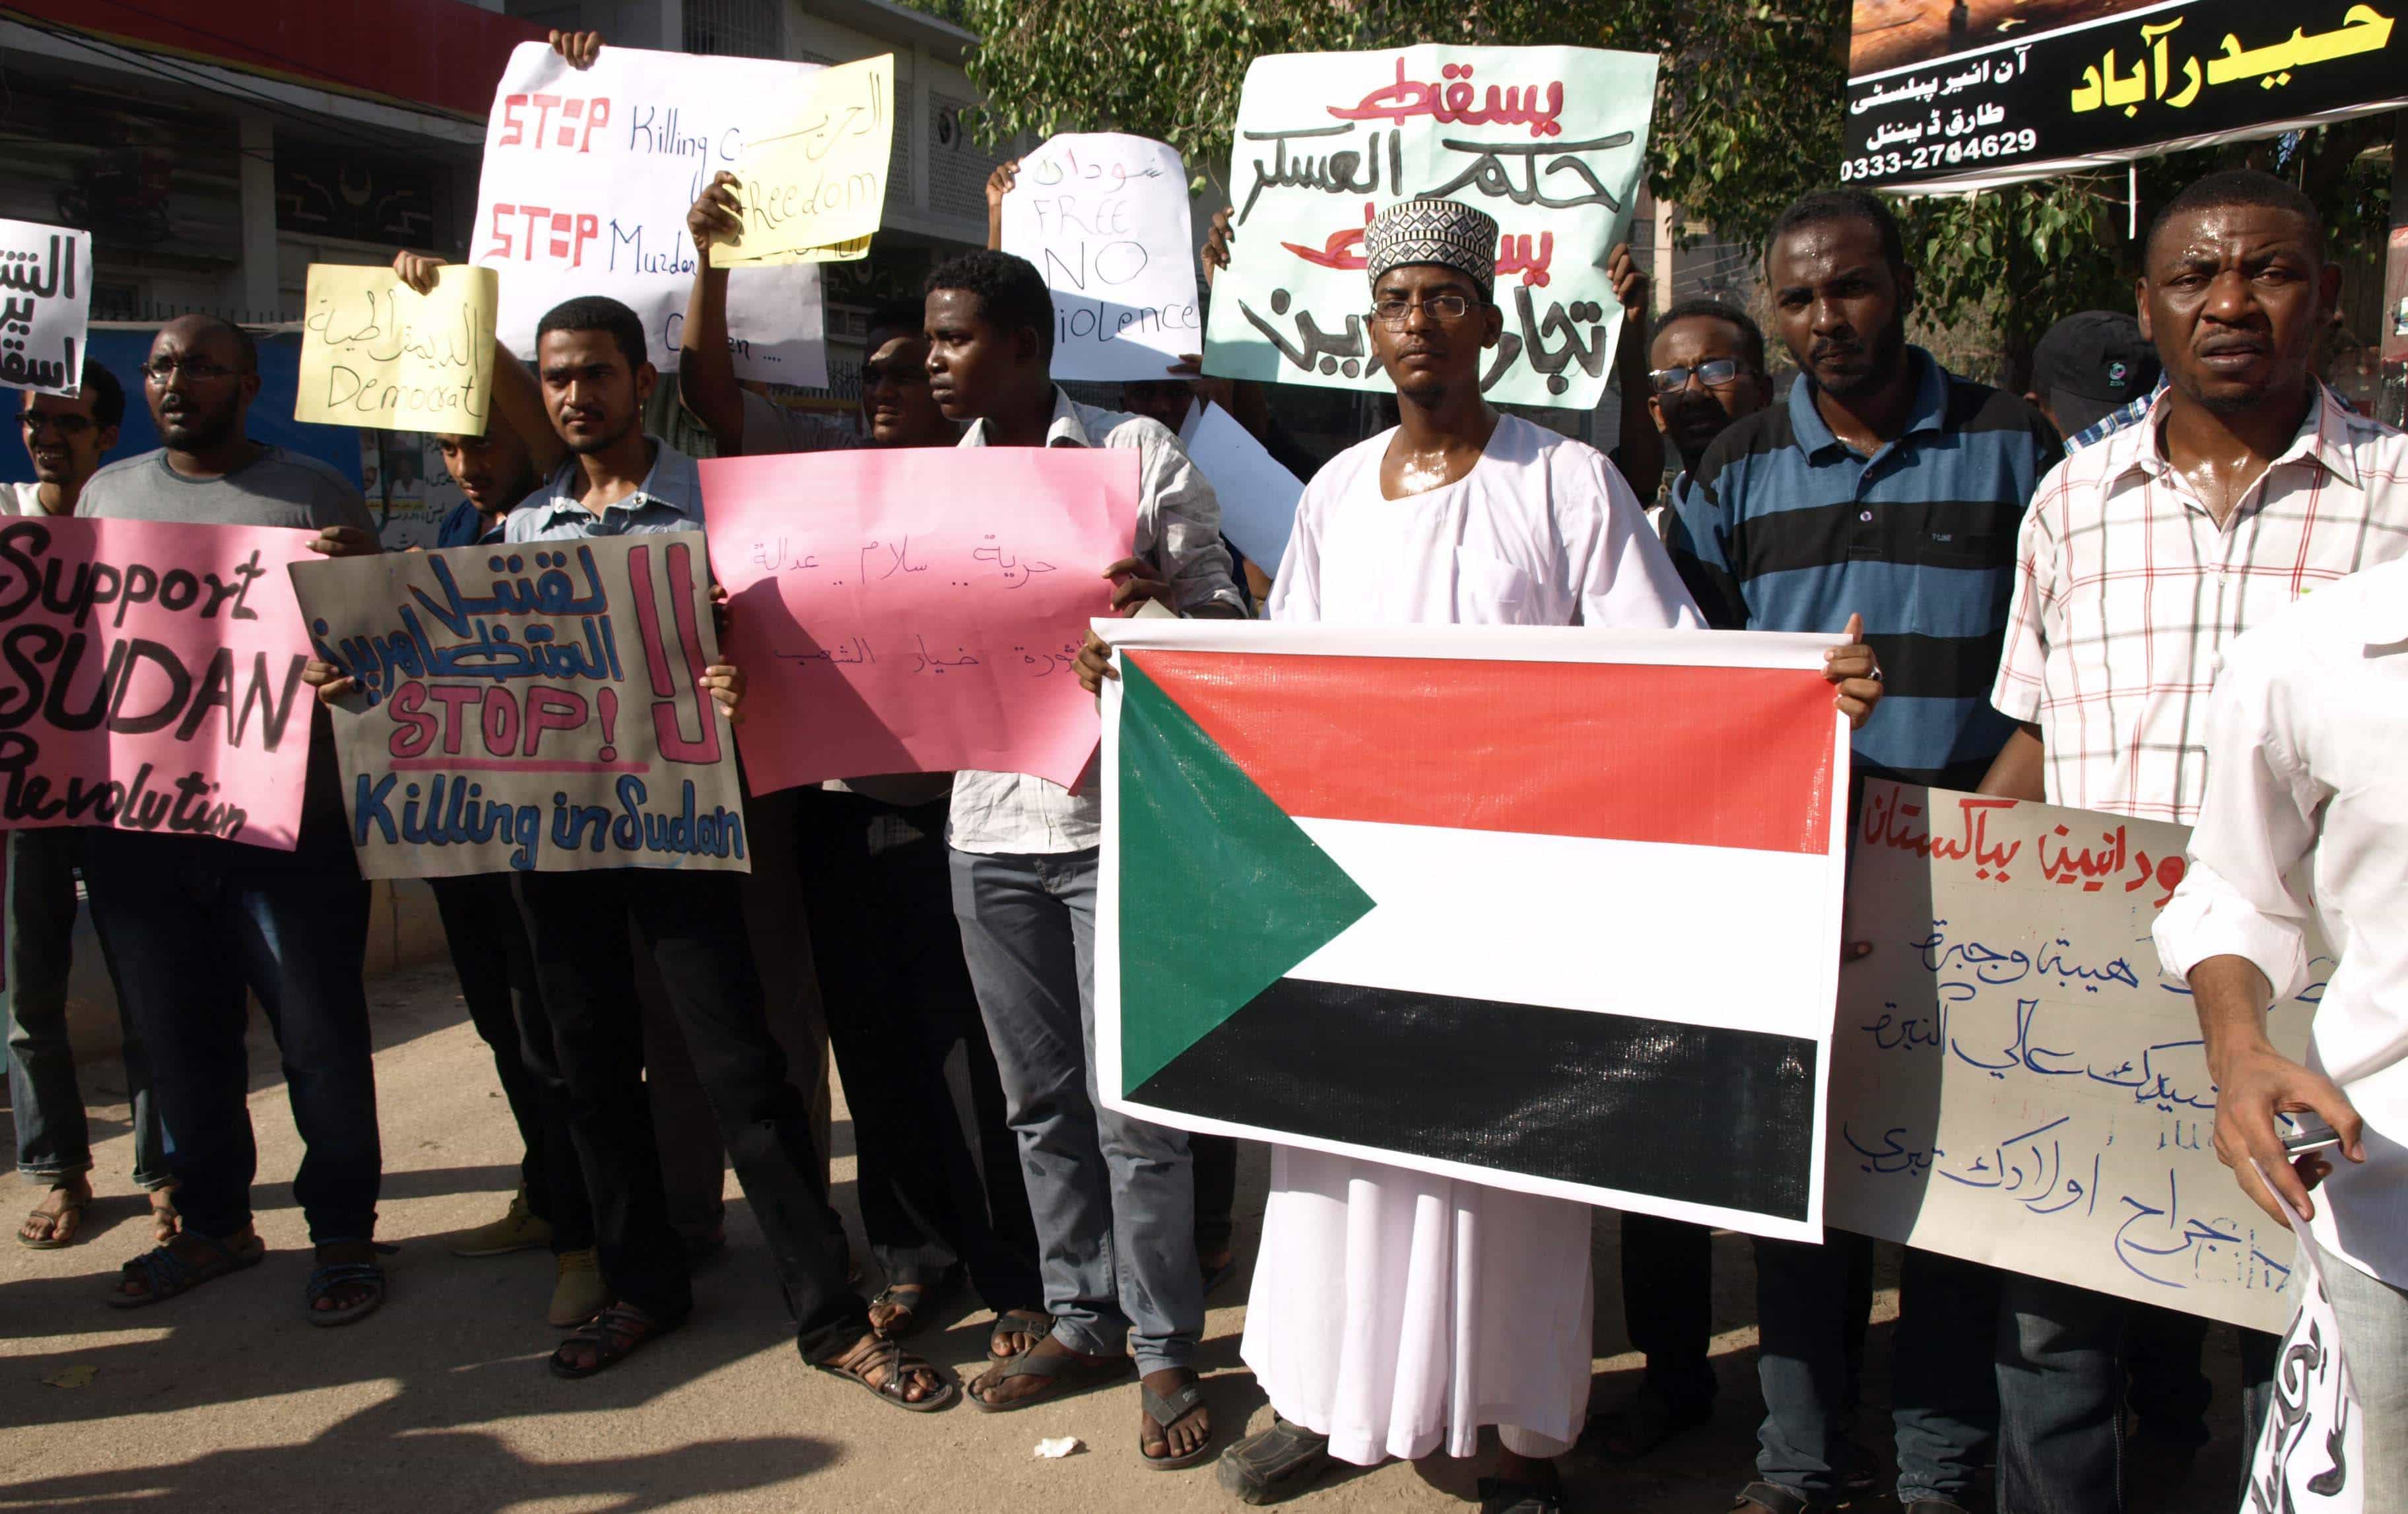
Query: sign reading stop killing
[(530, 707)]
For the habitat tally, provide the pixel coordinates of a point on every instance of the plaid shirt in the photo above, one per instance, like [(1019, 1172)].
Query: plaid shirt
[(2127, 592)]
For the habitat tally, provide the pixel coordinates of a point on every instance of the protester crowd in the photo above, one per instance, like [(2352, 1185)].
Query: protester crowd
[(2035, 594)]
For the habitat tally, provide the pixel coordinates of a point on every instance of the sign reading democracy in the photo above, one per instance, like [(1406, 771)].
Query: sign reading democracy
[(529, 706), (376, 352), (45, 303), (589, 175), (150, 681), (1104, 217), (815, 190), (1976, 93), (1549, 141), (2015, 1080), (884, 629)]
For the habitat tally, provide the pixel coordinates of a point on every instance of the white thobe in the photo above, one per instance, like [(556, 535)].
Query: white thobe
[(1395, 1311)]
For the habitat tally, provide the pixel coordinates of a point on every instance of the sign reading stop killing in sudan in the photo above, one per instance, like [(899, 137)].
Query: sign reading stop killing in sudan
[(1975, 94)]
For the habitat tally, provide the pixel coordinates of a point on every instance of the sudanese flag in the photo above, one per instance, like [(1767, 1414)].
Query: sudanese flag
[(1552, 910)]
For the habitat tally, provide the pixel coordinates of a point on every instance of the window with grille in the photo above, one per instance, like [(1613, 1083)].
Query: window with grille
[(734, 28)]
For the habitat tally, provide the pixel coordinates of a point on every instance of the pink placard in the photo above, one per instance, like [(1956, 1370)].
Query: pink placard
[(918, 609), (151, 679)]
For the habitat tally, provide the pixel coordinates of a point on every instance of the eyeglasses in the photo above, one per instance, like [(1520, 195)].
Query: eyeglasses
[(1713, 372), (66, 425), (1393, 313), (163, 371)]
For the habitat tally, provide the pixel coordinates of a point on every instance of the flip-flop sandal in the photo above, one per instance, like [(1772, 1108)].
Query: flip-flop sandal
[(1065, 1374), (1015, 1323), (614, 1333), (1166, 1411), (165, 1271), (899, 1364), (52, 1242), (341, 1275)]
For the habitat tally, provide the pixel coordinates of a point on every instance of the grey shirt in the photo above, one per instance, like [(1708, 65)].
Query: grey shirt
[(276, 488)]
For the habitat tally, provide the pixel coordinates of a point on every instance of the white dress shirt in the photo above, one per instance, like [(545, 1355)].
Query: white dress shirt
[(2307, 743), (22, 499), (1179, 529), (1542, 531)]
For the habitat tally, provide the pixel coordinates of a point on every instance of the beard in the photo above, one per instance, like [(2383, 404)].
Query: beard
[(197, 430)]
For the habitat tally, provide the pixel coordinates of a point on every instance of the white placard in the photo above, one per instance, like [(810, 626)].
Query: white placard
[(2013, 1080), (2311, 1455), (1258, 495), (45, 302), (588, 178), (1104, 218)]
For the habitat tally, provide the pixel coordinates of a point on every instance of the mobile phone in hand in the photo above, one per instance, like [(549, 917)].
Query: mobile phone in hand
[(2316, 1137)]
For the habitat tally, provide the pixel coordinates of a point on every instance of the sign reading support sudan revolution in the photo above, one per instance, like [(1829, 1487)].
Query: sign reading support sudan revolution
[(530, 707), (1966, 95), (151, 679), (1431, 896)]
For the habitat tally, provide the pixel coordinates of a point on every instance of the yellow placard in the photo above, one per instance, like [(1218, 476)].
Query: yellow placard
[(815, 190), (376, 352)]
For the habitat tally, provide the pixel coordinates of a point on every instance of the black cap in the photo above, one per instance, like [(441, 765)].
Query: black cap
[(2091, 364)]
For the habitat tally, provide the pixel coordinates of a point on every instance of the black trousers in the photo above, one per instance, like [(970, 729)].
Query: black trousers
[(1216, 1191), (1668, 1303), (878, 892), (495, 966), (691, 923)]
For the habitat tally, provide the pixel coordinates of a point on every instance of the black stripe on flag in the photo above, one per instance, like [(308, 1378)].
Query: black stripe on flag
[(1658, 1106)]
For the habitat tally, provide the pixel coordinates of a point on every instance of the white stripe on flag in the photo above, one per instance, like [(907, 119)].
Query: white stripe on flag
[(1705, 935)]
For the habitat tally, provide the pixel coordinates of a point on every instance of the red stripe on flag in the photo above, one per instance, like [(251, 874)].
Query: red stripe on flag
[(1623, 751)]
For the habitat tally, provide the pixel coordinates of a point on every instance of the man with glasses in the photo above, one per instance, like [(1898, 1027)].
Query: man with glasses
[(1396, 1312), (65, 437), (1708, 372), (198, 925)]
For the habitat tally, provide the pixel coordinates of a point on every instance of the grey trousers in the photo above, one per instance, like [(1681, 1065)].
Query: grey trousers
[(2374, 1317), (1114, 1197)]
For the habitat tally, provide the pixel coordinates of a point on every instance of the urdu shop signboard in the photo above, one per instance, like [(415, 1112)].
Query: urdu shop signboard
[(1966, 95)]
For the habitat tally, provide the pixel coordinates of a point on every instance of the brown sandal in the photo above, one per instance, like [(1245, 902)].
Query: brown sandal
[(614, 1333), (73, 1208), (899, 1364)]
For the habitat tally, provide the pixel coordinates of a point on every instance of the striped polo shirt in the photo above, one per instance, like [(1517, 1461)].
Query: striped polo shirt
[(1783, 527)]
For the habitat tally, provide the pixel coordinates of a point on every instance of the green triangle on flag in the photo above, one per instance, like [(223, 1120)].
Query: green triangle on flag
[(1220, 892)]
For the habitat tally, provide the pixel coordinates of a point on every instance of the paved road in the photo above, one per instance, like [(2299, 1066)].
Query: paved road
[(226, 1399)]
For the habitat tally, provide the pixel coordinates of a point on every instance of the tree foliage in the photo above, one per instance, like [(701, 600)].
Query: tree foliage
[(1747, 118)]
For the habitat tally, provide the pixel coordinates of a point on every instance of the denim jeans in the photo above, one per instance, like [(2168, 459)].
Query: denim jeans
[(192, 925), (901, 1013), (2061, 1399), (1114, 1197), (1943, 1397), (52, 1139), (691, 924), (496, 971)]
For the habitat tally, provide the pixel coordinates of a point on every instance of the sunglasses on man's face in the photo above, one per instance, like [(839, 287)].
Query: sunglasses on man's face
[(1713, 372)]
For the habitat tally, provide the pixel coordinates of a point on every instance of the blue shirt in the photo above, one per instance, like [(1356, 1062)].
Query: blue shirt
[(465, 527), (1782, 527), (669, 499)]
